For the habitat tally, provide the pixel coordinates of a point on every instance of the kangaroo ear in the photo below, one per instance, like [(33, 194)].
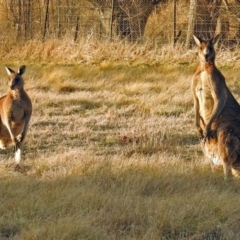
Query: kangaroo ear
[(21, 70), (9, 70), (215, 38), (197, 40)]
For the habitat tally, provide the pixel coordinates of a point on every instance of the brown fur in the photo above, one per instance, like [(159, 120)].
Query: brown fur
[(15, 113), (208, 87), (217, 113)]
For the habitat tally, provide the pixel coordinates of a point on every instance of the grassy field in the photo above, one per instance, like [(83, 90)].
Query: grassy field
[(112, 152)]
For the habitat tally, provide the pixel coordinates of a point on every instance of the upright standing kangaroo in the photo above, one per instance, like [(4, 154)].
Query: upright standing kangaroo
[(217, 113), (15, 113)]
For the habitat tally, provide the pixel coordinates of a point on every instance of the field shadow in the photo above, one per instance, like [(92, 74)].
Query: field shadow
[(8, 232), (127, 202)]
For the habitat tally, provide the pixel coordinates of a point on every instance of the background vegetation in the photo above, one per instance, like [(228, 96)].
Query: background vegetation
[(159, 21)]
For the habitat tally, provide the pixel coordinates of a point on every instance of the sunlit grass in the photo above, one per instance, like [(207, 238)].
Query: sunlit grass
[(112, 153)]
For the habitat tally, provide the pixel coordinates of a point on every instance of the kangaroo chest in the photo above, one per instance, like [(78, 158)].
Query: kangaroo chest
[(14, 110), (17, 111), (204, 94)]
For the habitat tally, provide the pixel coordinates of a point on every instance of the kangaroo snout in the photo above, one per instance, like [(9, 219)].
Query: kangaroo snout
[(12, 86)]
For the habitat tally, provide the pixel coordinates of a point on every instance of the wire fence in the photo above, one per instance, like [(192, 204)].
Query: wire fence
[(161, 21)]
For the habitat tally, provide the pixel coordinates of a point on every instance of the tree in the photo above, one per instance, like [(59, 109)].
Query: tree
[(134, 16), (128, 16), (233, 9), (203, 16)]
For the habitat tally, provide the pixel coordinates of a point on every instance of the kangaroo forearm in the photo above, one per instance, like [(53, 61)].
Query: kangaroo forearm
[(24, 132), (216, 113)]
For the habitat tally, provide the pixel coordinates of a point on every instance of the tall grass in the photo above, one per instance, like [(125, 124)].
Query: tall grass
[(66, 52), (112, 152)]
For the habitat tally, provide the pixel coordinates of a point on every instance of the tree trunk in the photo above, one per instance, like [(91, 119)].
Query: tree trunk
[(203, 15), (206, 20), (136, 16), (130, 16)]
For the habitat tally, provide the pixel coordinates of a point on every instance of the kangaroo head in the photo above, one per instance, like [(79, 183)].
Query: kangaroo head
[(206, 51), (15, 78)]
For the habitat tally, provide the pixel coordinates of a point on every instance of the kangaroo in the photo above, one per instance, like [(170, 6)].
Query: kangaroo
[(217, 113), (15, 113), (224, 148), (208, 87)]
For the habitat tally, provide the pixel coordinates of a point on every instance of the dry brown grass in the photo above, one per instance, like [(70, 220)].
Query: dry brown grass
[(112, 152), (104, 53)]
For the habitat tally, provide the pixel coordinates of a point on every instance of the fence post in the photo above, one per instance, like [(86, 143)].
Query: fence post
[(191, 21), (174, 21), (46, 20), (76, 30), (111, 21)]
